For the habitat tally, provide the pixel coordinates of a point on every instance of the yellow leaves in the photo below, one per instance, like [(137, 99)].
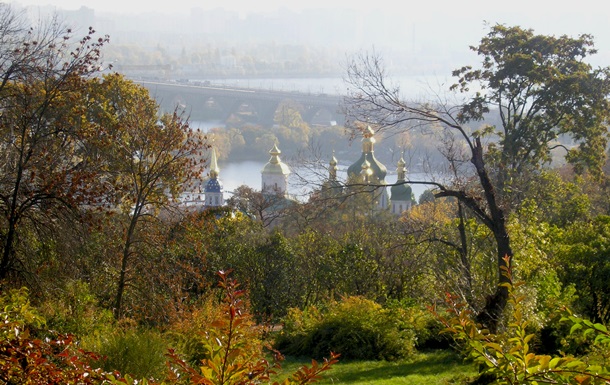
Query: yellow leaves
[(439, 211), (234, 350)]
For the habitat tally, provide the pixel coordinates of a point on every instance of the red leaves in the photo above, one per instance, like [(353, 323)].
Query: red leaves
[(235, 351), (34, 361)]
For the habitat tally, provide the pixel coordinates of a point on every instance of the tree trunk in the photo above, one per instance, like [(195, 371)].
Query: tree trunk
[(118, 304), (489, 317), (13, 217), (463, 250), (7, 249)]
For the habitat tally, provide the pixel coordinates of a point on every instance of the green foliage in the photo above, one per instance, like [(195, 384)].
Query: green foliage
[(131, 350), (426, 329), (508, 357), (270, 277), (234, 353), (16, 310), (74, 309), (427, 196), (582, 250), (546, 292), (354, 327), (595, 333), (26, 359), (558, 200), (545, 88)]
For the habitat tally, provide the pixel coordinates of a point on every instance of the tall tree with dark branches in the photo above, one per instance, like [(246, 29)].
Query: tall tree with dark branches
[(541, 87)]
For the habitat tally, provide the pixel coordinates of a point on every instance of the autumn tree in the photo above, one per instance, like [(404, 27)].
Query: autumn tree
[(269, 208), (541, 86), (45, 171), (151, 160)]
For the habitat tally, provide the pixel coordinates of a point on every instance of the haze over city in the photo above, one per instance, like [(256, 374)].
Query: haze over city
[(437, 32)]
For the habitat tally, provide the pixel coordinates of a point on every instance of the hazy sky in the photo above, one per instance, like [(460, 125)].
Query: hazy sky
[(549, 15), (537, 8), (178, 5), (460, 22)]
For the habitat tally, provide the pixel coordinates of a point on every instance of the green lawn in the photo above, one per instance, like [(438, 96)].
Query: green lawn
[(432, 368)]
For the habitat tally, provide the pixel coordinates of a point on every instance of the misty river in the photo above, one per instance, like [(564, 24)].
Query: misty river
[(234, 174)]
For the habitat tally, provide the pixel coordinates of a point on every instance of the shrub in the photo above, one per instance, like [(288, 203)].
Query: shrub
[(132, 350), (26, 359), (507, 358), (186, 335), (234, 352), (354, 327), (74, 309)]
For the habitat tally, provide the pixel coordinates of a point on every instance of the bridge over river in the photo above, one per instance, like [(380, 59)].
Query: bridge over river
[(203, 101)]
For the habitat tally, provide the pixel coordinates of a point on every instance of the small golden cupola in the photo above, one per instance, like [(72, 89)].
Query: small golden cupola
[(274, 175)]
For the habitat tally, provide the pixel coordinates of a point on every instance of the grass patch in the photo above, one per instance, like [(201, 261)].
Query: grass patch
[(430, 368)]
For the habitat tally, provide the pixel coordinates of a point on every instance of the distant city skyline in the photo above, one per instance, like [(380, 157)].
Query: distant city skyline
[(441, 25)]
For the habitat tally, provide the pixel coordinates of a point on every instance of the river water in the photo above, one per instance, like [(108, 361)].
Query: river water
[(234, 174)]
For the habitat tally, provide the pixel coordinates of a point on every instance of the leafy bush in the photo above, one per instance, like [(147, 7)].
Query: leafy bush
[(188, 336), (234, 352), (74, 309), (508, 358), (135, 351), (425, 326), (354, 327), (26, 359)]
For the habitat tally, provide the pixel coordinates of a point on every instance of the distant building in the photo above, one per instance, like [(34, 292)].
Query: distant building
[(274, 175), (369, 171), (332, 187), (401, 194), (213, 187), (366, 171)]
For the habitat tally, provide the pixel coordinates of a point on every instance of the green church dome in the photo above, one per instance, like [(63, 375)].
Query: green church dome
[(401, 191), (379, 171)]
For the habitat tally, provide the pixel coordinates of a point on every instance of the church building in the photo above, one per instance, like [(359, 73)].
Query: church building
[(213, 187), (274, 175), (367, 170)]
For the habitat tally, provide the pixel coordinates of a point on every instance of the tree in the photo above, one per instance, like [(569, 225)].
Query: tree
[(150, 160), (542, 89), (268, 208), (45, 169)]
